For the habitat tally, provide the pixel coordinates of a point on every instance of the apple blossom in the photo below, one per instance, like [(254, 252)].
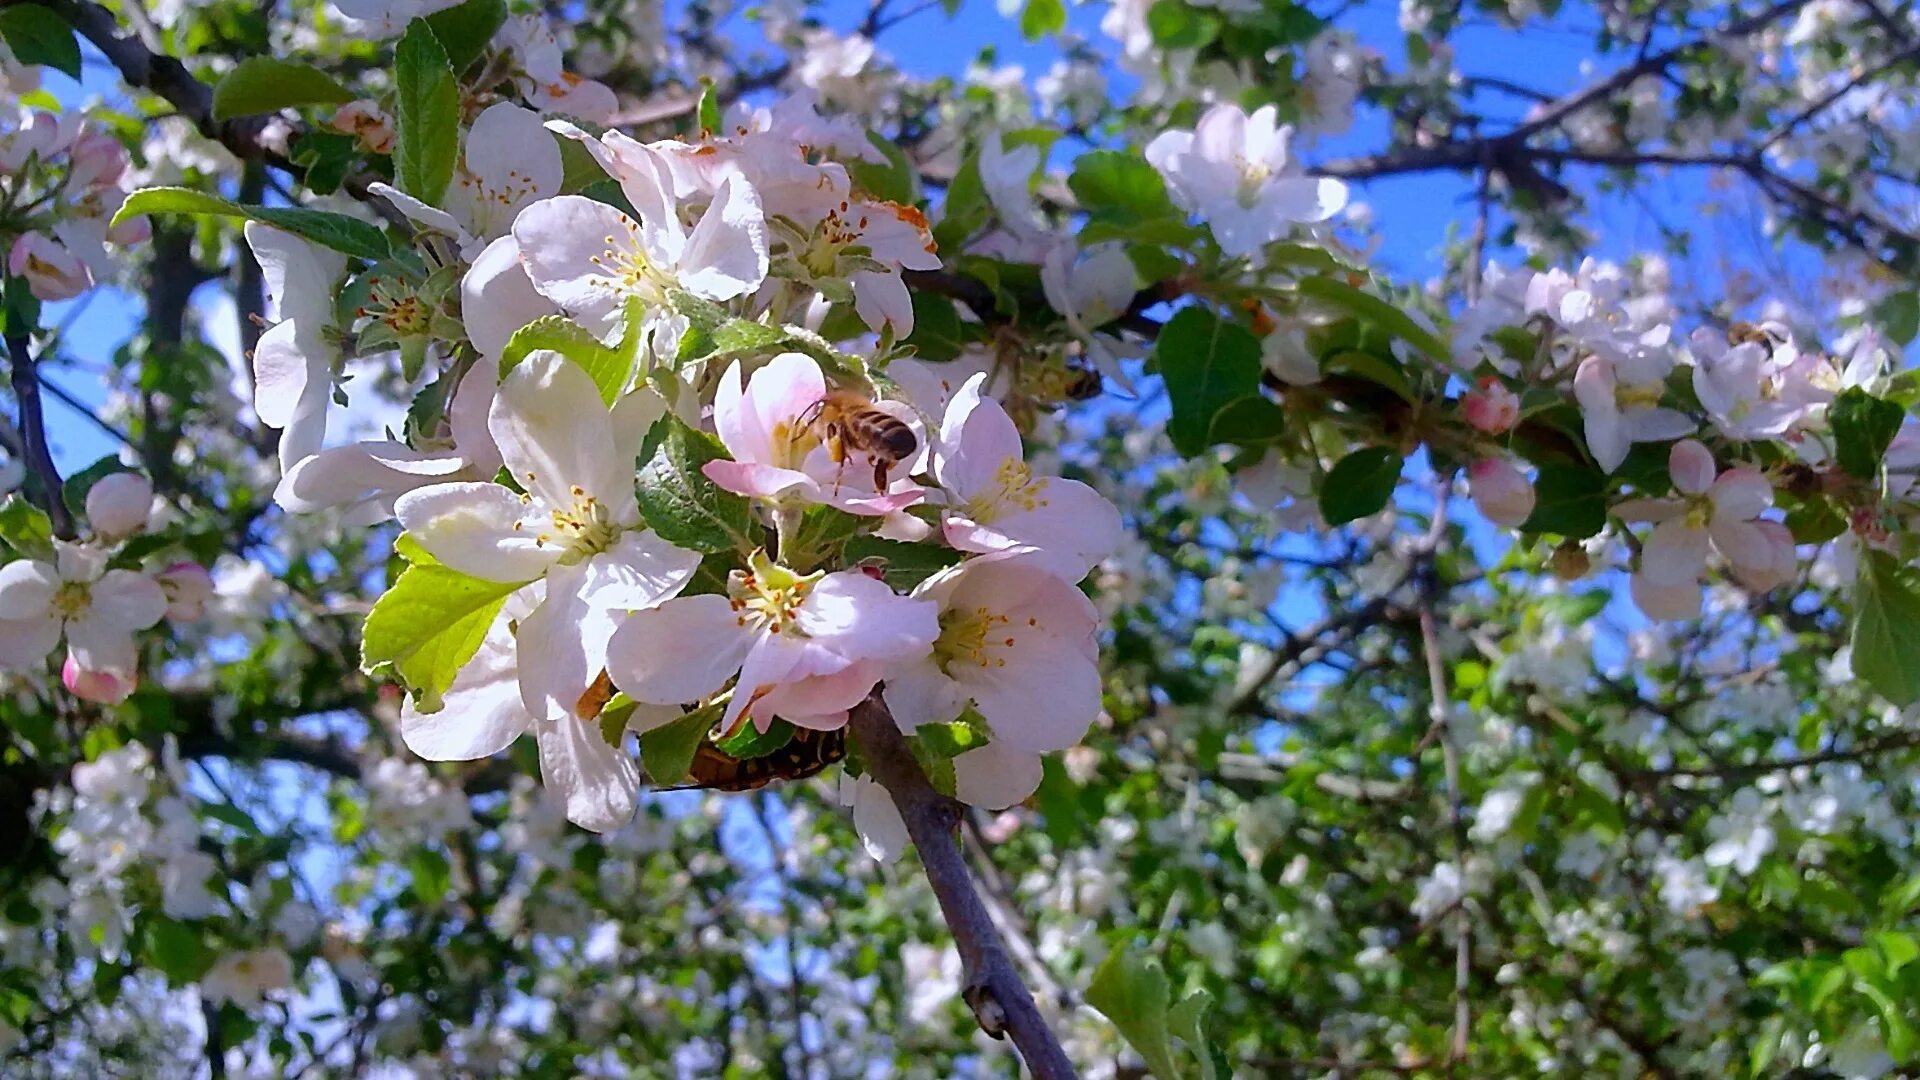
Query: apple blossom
[(368, 123), (577, 527), (768, 426), (1236, 172), (806, 648), (1620, 407), (293, 363), (1717, 512), (508, 162), (49, 269), (998, 506), (188, 587), (103, 685), (97, 610), (118, 505), (246, 978)]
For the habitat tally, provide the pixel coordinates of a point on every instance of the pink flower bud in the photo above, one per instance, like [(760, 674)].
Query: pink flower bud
[(118, 505), (98, 160), (105, 687), (52, 272), (1492, 407), (132, 232), (1768, 564), (1500, 491), (1691, 466), (188, 587)]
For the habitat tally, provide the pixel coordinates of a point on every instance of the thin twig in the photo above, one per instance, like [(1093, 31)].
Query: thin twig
[(1000, 1001), (1440, 711)]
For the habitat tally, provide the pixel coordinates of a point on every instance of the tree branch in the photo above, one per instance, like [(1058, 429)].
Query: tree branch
[(1000, 1001), (33, 433)]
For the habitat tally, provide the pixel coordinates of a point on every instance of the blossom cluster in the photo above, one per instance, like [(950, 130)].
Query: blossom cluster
[(61, 182), (96, 593), (754, 569)]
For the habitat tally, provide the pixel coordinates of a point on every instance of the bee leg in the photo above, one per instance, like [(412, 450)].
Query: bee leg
[(880, 475)]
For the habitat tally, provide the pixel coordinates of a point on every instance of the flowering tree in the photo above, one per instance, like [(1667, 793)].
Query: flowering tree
[(592, 487)]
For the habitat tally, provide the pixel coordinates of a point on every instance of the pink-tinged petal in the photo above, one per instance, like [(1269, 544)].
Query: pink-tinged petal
[(639, 571), (25, 643), (1660, 600), (727, 254), (1741, 494), (873, 505), (471, 528), (101, 644), (1676, 554), (1691, 466), (1743, 544), (862, 619), (995, 777), (1041, 696), (497, 297), (774, 660), (1069, 523), (104, 687), (764, 423), (758, 481), (977, 438), (598, 782), (679, 652), (128, 599), (555, 435), (346, 475), (920, 693), (482, 714), (1780, 563), (1658, 425), (26, 589), (820, 702)]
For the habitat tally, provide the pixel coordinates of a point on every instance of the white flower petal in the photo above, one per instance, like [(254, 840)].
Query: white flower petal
[(470, 527), (679, 652), (26, 589), (599, 782), (995, 777)]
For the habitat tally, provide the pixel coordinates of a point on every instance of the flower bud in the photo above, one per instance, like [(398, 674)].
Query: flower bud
[(52, 272), (105, 687), (1500, 491), (1570, 561), (188, 587), (1491, 408), (98, 160), (1691, 466), (118, 505), (1768, 564)]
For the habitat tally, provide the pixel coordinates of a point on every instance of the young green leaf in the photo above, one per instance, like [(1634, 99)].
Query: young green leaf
[(1369, 308), (667, 751), (685, 507), (262, 84), (344, 234), (26, 528), (1131, 991), (610, 366), (428, 625), (465, 30), (1886, 628), (426, 113), (1863, 428), (1120, 186)]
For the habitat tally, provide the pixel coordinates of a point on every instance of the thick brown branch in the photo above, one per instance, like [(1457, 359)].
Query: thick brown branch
[(1000, 1001), (33, 433)]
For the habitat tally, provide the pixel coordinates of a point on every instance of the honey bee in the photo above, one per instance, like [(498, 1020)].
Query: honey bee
[(1083, 383), (1746, 333), (806, 754), (849, 423), (595, 699)]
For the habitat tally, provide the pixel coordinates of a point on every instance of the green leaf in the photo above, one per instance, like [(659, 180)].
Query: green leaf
[(821, 533), (1360, 484), (1569, 500), (893, 181), (344, 234), (667, 751), (1372, 309), (1120, 186), (1175, 25), (26, 528), (231, 815), (1863, 428), (426, 114), (610, 366), (966, 207), (1886, 628), (707, 114), (36, 35), (429, 625), (1207, 364), (1254, 420), (466, 29), (1898, 314), (741, 337), (751, 742), (938, 332), (1131, 991), (1042, 17), (685, 507), (262, 84), (901, 565), (176, 950), (432, 877), (1186, 1021)]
